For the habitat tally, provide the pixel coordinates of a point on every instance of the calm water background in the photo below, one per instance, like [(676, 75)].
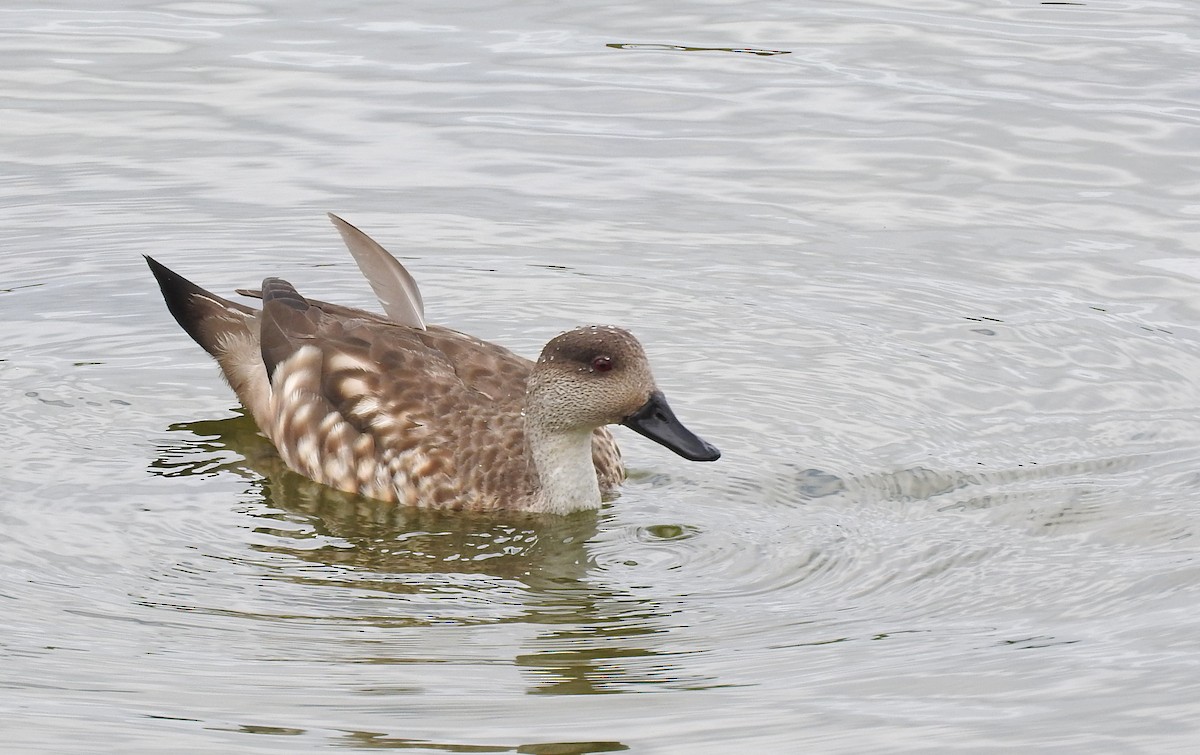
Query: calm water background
[(931, 281)]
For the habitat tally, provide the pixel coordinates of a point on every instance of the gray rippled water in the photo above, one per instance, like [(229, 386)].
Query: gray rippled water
[(925, 272)]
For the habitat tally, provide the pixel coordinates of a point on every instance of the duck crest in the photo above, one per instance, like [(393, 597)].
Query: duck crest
[(422, 415)]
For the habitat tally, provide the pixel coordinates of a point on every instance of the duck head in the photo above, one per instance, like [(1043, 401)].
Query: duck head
[(599, 375)]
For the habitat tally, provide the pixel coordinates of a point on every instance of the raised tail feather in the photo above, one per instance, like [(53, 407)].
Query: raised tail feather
[(393, 285)]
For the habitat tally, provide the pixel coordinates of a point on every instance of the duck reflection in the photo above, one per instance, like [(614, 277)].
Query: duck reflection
[(375, 741), (455, 568)]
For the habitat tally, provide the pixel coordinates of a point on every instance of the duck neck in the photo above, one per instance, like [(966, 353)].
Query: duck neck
[(566, 473)]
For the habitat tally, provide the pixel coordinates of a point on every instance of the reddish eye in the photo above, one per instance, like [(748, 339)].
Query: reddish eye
[(602, 364)]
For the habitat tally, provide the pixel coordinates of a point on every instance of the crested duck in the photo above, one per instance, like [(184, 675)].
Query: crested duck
[(394, 409)]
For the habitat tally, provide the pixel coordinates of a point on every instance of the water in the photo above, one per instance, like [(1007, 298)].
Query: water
[(928, 280)]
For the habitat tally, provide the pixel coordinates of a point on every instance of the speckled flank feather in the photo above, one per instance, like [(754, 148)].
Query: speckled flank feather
[(379, 411), (423, 417)]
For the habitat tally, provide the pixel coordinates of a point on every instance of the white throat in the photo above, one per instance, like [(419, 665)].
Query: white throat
[(565, 469)]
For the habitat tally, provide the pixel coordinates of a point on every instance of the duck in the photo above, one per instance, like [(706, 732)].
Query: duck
[(395, 409)]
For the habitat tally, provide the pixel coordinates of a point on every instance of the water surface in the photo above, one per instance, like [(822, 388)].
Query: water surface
[(927, 276)]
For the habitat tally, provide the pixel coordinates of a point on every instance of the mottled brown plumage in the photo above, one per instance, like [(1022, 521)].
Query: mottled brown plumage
[(428, 416)]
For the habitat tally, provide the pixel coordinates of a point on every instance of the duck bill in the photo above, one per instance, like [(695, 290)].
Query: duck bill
[(656, 421)]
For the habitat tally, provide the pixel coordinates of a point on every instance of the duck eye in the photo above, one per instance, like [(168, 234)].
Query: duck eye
[(602, 364)]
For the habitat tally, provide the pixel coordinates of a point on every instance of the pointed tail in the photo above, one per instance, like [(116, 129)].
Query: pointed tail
[(205, 316)]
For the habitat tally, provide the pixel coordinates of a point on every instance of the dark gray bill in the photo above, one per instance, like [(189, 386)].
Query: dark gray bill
[(656, 421)]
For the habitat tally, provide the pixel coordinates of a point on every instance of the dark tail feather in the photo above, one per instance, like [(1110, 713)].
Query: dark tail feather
[(197, 311)]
